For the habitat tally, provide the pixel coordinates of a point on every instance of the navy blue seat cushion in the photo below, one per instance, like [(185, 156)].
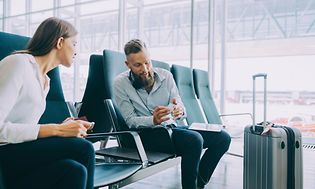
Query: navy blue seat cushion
[(102, 71), (106, 174), (93, 106)]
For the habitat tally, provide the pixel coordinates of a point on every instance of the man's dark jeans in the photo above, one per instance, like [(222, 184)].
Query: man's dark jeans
[(189, 145)]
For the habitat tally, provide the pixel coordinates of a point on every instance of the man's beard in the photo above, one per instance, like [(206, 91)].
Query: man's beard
[(138, 82)]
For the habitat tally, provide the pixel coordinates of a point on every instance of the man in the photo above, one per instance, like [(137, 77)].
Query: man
[(148, 96)]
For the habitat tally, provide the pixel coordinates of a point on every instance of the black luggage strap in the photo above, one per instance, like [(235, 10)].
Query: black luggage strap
[(291, 157)]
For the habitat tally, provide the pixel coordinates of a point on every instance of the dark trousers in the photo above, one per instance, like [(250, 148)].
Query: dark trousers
[(189, 145), (48, 163)]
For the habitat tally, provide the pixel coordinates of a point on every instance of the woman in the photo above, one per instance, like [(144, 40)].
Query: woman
[(47, 155)]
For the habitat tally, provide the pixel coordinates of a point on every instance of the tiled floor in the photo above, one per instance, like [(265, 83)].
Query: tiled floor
[(228, 175)]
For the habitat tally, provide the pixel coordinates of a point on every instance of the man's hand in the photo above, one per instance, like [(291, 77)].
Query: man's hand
[(178, 110), (159, 114)]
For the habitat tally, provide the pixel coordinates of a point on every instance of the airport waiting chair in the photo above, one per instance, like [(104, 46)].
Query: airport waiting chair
[(94, 109), (113, 64), (92, 104), (11, 43), (189, 87), (203, 93), (57, 110), (202, 90), (183, 77), (160, 64), (184, 80), (102, 71)]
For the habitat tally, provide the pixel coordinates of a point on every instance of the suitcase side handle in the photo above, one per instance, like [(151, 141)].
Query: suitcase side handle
[(264, 75)]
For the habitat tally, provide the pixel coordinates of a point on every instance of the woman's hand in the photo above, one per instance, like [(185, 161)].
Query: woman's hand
[(73, 128), (69, 128)]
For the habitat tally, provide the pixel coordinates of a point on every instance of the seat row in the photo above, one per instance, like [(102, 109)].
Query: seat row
[(192, 84), (132, 159)]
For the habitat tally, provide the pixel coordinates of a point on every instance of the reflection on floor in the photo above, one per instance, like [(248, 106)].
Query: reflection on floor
[(228, 175)]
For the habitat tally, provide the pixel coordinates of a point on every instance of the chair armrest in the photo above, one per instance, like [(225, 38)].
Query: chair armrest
[(164, 134), (73, 108), (236, 132), (238, 114), (148, 130), (136, 138), (158, 127)]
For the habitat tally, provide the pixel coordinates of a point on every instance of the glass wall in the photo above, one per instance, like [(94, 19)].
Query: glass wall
[(273, 37), (233, 39), (166, 30), (201, 34), (38, 5), (1, 15)]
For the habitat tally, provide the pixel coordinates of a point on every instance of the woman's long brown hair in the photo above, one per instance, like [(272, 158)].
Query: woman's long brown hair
[(47, 35)]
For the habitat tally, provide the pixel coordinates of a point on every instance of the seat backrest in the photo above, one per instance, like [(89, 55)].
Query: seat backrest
[(92, 105), (102, 71), (113, 65), (184, 81), (10, 43), (160, 64), (56, 108), (203, 92)]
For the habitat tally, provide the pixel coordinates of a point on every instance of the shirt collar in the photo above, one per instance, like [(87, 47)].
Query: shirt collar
[(158, 80), (157, 76), (32, 60)]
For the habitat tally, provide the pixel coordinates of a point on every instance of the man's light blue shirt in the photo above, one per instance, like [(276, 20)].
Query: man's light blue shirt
[(137, 106)]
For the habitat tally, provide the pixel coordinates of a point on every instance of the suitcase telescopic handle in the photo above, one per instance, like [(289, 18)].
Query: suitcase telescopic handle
[(254, 98)]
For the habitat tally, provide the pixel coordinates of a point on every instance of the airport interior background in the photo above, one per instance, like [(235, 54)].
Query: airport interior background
[(231, 39)]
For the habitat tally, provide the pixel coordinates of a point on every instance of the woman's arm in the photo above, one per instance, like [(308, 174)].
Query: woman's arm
[(69, 128)]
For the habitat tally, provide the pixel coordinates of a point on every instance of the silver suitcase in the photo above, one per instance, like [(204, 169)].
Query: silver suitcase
[(272, 160)]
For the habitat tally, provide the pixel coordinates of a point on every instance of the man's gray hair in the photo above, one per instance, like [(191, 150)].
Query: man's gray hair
[(134, 46)]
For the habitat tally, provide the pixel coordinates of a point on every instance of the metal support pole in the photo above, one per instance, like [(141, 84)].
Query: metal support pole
[(211, 44), (28, 17), (121, 24), (192, 33), (140, 19), (76, 67), (6, 13), (223, 55)]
